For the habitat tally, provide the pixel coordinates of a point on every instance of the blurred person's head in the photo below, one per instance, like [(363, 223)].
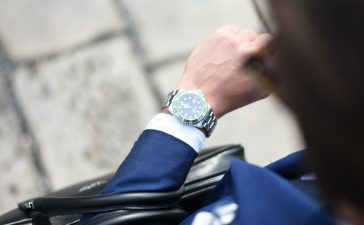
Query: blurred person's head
[(320, 64)]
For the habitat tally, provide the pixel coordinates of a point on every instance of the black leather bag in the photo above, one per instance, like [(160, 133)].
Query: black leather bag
[(66, 206)]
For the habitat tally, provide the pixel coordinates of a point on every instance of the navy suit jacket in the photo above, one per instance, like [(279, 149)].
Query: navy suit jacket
[(160, 162)]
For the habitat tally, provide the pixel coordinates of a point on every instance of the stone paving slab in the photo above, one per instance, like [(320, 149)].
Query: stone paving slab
[(18, 178), (266, 129), (86, 109), (32, 28), (167, 28)]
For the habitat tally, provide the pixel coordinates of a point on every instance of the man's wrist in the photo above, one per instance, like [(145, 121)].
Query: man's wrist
[(169, 124), (214, 107)]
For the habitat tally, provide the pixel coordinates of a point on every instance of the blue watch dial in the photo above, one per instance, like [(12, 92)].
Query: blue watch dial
[(190, 107)]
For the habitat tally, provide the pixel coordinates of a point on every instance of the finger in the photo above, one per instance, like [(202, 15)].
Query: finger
[(229, 30), (244, 35), (262, 40), (247, 35)]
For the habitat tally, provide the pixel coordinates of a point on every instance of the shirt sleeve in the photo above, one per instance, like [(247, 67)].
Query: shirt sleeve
[(169, 124)]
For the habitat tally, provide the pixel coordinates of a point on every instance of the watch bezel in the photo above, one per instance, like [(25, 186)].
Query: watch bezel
[(175, 110)]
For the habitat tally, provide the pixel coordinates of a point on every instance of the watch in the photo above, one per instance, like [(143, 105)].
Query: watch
[(191, 108)]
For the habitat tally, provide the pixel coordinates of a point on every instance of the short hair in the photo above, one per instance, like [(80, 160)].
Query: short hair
[(328, 99)]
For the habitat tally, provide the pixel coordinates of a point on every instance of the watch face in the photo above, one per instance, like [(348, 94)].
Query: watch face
[(190, 107)]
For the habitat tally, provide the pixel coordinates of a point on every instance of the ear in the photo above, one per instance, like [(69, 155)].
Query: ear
[(350, 213)]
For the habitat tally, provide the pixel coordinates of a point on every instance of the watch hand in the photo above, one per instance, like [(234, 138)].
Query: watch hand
[(186, 106)]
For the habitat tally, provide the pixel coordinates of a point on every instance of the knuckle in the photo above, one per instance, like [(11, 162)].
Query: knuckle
[(229, 30), (221, 33), (230, 27), (233, 28), (224, 35), (247, 50), (232, 41), (249, 32)]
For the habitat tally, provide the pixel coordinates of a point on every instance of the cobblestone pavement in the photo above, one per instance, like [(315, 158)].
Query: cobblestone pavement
[(79, 80)]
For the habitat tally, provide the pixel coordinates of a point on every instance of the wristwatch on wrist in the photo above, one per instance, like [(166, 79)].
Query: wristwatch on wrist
[(191, 108)]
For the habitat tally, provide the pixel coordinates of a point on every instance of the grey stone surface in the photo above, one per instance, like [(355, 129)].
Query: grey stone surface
[(170, 27), (86, 109), (30, 28), (18, 178), (86, 106), (168, 77), (266, 128)]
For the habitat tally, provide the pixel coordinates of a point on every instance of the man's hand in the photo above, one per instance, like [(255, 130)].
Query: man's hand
[(216, 68)]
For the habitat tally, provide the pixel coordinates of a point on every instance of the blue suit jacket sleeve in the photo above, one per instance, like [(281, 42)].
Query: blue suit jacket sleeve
[(157, 162)]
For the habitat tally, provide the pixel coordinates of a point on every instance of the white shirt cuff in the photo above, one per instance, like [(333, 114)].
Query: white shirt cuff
[(169, 124)]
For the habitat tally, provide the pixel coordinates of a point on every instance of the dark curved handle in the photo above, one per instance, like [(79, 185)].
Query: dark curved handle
[(172, 215), (89, 204)]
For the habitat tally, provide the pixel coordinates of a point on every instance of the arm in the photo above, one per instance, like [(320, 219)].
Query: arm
[(215, 68), (158, 161), (161, 158)]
